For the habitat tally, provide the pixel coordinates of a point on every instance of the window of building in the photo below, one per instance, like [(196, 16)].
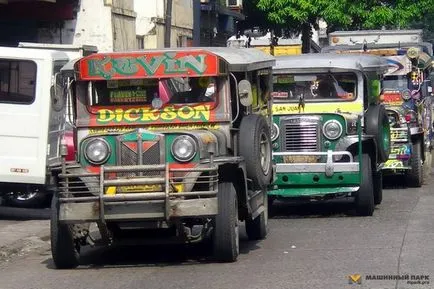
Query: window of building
[(140, 40), (17, 81)]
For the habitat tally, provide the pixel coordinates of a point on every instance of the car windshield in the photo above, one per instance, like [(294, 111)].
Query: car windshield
[(146, 91), (395, 82), (314, 87)]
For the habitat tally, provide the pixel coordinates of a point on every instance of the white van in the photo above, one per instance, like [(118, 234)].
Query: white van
[(31, 118)]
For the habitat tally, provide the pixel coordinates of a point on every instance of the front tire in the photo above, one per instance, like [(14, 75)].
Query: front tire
[(226, 244), (377, 124), (415, 174), (28, 196), (365, 196), (378, 187), (64, 249)]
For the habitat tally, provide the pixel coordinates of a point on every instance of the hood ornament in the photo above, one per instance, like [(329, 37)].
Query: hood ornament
[(301, 103)]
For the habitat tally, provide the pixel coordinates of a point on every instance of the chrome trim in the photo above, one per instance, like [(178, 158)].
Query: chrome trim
[(316, 168), (304, 125), (340, 153), (327, 123), (329, 167)]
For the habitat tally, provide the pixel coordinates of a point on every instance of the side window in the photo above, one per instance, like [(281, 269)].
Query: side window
[(17, 81)]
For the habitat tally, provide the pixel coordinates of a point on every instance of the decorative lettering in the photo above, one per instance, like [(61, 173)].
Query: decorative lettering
[(142, 65), (144, 115)]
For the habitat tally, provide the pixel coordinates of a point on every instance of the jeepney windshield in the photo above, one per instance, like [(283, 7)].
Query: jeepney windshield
[(395, 82), (314, 87), (179, 90)]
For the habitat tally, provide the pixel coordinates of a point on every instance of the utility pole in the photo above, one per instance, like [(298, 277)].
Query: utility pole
[(168, 23)]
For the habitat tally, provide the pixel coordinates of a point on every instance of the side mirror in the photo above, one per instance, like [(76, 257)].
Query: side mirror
[(57, 93), (58, 84), (245, 92)]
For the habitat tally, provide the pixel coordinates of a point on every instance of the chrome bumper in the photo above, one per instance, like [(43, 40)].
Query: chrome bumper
[(85, 197), (328, 168)]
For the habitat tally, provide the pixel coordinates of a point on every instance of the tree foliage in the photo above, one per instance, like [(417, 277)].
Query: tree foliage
[(344, 14)]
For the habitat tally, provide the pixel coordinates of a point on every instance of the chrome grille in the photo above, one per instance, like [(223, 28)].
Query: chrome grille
[(129, 157), (299, 136)]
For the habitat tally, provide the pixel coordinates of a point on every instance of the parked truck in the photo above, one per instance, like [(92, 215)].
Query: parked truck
[(32, 119), (405, 92)]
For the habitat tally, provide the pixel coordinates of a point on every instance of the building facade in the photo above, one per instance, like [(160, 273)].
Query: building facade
[(107, 24), (218, 21), (150, 24)]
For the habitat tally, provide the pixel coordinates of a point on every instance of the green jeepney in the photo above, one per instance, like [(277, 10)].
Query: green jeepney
[(330, 135)]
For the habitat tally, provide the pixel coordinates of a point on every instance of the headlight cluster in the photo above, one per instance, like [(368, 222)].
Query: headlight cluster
[(332, 129), (184, 148), (274, 132), (406, 94), (97, 151)]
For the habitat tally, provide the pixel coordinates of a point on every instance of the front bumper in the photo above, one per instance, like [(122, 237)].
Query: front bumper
[(87, 197), (316, 179)]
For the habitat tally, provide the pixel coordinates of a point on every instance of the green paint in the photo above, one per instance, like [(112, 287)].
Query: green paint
[(132, 137), (111, 140), (309, 192), (308, 179), (146, 136), (386, 135), (169, 157)]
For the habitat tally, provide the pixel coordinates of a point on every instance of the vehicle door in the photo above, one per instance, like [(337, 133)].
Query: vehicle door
[(23, 125)]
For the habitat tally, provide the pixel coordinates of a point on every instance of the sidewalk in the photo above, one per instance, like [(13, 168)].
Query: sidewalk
[(19, 236)]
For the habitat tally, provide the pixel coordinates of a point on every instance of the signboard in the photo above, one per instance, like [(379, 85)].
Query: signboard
[(398, 65), (155, 64)]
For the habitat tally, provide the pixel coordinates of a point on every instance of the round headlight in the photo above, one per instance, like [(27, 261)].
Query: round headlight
[(406, 94), (332, 129), (184, 148), (97, 151), (274, 132)]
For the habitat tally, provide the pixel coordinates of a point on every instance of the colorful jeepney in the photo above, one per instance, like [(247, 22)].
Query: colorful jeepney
[(173, 145), (405, 93), (330, 134)]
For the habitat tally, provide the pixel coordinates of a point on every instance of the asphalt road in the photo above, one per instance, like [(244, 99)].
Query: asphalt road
[(308, 247)]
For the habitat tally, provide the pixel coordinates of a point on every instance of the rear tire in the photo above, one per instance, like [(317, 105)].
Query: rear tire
[(415, 174), (378, 187), (226, 231), (256, 229), (64, 249), (365, 196)]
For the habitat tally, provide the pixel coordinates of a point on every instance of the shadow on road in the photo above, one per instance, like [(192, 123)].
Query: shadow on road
[(20, 214), (343, 207), (152, 256)]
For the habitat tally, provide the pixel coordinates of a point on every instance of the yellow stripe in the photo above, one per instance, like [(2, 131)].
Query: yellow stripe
[(329, 107)]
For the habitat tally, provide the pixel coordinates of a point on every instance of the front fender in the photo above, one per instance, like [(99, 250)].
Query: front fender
[(349, 143)]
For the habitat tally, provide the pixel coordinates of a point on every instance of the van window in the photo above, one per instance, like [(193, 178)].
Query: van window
[(17, 81)]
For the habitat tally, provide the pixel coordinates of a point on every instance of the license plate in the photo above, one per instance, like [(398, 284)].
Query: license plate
[(393, 164), (300, 159)]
